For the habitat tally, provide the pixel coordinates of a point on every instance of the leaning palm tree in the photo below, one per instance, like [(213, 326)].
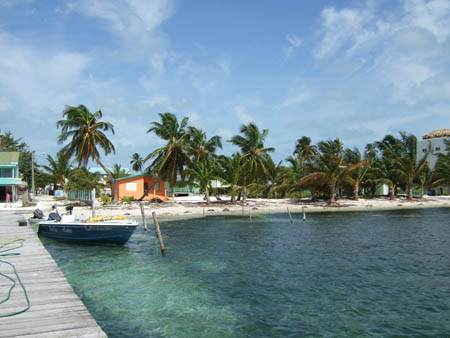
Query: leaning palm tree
[(59, 170), (251, 143), (86, 135), (304, 150), (137, 161), (171, 159)]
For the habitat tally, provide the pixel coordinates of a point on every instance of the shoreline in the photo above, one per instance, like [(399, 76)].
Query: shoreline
[(194, 206)]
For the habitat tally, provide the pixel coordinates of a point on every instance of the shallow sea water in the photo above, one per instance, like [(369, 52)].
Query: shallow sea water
[(352, 274)]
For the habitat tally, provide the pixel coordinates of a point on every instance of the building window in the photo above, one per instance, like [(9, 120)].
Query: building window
[(438, 148), (6, 172), (424, 150), (157, 186), (145, 186)]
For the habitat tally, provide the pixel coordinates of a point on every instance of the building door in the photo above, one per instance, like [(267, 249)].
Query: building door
[(2, 193)]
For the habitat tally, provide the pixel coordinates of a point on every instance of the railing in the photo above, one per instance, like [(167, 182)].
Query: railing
[(84, 195)]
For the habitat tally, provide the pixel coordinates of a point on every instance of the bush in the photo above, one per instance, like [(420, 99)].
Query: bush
[(106, 199), (127, 199)]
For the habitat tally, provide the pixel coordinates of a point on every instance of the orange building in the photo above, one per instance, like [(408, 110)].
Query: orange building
[(136, 185)]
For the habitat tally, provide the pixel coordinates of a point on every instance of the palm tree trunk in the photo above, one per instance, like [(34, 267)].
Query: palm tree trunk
[(333, 192), (208, 200), (356, 191), (410, 192), (233, 196), (111, 178), (391, 191), (244, 194)]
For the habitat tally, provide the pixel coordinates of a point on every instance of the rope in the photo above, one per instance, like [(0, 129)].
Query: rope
[(14, 283)]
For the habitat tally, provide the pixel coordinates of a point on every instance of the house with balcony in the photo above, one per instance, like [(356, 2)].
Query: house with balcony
[(10, 181)]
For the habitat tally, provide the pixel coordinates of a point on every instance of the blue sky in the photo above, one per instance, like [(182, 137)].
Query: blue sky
[(356, 70)]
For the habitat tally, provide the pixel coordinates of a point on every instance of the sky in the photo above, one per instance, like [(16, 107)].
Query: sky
[(354, 70)]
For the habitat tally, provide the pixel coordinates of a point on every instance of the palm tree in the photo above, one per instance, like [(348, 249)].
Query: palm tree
[(359, 168), (200, 148), (59, 170), (119, 172), (441, 172), (254, 153), (86, 136), (201, 174), (424, 180), (291, 176), (230, 173), (329, 168), (304, 150), (403, 154), (137, 161), (268, 184), (172, 158), (82, 179)]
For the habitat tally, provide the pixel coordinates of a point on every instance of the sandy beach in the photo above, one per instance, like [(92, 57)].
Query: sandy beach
[(195, 206)]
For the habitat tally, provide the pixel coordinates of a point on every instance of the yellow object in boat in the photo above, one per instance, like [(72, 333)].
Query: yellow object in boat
[(119, 218)]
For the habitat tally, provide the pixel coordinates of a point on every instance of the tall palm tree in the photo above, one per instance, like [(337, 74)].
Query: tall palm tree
[(268, 184), (251, 143), (86, 135), (137, 161), (59, 170), (200, 148), (172, 158), (403, 154), (291, 176), (329, 168)]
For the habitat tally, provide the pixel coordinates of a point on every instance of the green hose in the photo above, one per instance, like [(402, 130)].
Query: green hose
[(4, 249)]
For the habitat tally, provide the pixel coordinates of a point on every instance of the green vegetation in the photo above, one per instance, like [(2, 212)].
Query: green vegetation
[(323, 170)]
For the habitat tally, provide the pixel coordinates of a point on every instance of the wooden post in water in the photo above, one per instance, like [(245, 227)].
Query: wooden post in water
[(242, 208), (203, 211), (158, 233), (141, 205), (290, 217), (93, 202), (304, 214), (250, 214)]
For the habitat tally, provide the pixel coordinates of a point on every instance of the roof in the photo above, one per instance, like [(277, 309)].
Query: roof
[(132, 176), (9, 157), (437, 133)]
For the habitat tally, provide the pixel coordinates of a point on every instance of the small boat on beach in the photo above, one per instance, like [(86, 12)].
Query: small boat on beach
[(115, 230)]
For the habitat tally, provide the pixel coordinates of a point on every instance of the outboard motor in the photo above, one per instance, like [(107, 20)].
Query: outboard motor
[(69, 209), (54, 216), (38, 214)]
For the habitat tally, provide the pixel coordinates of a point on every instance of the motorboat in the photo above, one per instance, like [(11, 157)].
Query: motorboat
[(116, 230)]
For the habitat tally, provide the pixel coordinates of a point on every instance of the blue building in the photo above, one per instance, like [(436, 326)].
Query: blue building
[(9, 175)]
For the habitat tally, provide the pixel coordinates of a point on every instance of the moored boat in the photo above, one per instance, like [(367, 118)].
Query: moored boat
[(116, 230)]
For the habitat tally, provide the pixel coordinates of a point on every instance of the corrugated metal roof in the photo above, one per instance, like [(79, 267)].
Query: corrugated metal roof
[(9, 157)]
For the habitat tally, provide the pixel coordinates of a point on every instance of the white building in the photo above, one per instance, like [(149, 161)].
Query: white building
[(435, 139)]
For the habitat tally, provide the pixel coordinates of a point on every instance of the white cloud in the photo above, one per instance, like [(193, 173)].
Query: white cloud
[(242, 115), (293, 43), (135, 22), (295, 99)]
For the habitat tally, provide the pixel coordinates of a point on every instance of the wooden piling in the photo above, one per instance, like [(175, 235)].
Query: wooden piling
[(304, 214), (242, 209), (250, 214), (141, 205), (203, 211), (290, 217), (158, 233)]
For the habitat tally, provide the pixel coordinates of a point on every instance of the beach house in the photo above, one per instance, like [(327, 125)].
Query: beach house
[(141, 186), (9, 175)]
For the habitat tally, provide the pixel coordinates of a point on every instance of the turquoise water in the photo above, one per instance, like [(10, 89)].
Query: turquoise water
[(361, 274)]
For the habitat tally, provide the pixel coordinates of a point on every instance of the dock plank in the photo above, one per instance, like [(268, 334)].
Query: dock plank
[(56, 311)]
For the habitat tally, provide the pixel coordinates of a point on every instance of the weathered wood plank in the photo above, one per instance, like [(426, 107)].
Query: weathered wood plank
[(55, 310)]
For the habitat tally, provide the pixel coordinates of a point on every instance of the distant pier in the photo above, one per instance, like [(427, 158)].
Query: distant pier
[(55, 310)]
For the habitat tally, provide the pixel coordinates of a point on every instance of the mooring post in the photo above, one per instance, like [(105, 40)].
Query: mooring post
[(304, 214), (290, 217), (203, 211), (242, 208), (141, 205), (250, 214), (158, 233), (93, 202)]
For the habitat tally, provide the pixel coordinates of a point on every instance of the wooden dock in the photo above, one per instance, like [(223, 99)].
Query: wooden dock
[(55, 310)]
